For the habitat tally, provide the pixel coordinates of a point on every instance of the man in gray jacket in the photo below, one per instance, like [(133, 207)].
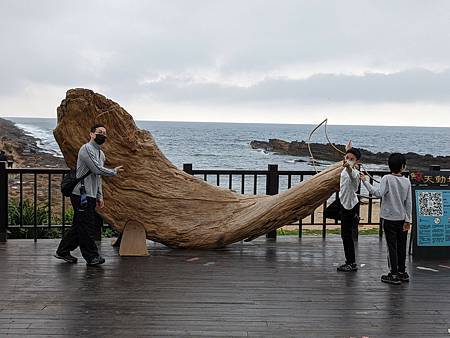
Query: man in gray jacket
[(86, 196)]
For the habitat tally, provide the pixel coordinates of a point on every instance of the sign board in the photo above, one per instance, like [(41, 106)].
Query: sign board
[(431, 214)]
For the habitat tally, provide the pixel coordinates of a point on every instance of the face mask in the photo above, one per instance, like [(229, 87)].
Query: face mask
[(100, 139)]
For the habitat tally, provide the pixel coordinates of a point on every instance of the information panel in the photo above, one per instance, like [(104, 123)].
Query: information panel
[(431, 214), (433, 217)]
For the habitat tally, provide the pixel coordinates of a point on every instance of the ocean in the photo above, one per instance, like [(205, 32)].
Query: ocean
[(227, 145)]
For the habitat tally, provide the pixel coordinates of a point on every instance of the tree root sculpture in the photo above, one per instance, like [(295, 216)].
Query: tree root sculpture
[(173, 207)]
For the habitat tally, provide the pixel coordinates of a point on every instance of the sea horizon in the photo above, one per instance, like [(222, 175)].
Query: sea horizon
[(226, 145), (256, 123)]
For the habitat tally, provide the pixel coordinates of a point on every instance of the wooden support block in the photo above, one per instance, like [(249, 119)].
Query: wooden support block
[(133, 241)]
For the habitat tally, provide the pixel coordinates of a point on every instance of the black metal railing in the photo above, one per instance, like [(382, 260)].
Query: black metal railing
[(39, 197), (34, 187)]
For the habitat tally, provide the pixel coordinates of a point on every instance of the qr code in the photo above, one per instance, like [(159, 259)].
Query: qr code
[(430, 204)]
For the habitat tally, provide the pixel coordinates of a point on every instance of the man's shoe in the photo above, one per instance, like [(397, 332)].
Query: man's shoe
[(391, 279), (403, 276), (96, 261), (68, 258), (348, 267)]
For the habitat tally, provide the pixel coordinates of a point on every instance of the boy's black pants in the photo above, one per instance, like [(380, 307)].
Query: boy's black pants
[(396, 240), (348, 222), (83, 231)]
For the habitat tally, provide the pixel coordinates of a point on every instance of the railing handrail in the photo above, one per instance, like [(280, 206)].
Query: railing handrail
[(228, 172), (37, 170), (33, 170), (280, 172)]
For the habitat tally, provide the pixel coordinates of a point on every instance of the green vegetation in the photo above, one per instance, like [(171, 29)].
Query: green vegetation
[(318, 232), (28, 214), (41, 219)]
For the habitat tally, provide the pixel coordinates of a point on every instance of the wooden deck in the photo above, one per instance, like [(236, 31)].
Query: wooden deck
[(285, 288)]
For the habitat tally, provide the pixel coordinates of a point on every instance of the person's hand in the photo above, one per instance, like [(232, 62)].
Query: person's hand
[(362, 176), (406, 226), (119, 169), (100, 203)]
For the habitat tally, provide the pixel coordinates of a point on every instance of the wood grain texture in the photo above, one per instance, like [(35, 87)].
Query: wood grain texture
[(175, 208)]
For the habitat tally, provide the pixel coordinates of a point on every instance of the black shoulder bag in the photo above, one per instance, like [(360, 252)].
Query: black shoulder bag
[(333, 211), (70, 181)]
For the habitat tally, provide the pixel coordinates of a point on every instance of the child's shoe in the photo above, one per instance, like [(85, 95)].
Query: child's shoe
[(348, 267), (403, 276), (391, 279)]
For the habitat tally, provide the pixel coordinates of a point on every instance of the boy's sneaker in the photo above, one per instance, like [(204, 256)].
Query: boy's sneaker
[(403, 276), (96, 261), (68, 258), (391, 279), (348, 267)]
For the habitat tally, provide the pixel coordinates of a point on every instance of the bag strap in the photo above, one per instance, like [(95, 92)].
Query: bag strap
[(89, 172), (85, 175), (81, 179)]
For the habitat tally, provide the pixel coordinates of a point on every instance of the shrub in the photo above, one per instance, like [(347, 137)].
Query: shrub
[(27, 213), (41, 219)]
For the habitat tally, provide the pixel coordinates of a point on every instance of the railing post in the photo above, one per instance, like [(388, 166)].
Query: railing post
[(355, 230), (380, 225), (324, 221), (187, 167), (272, 184), (380, 228), (435, 167), (3, 202)]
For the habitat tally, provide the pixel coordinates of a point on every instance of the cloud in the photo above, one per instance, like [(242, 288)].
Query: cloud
[(407, 86), (225, 52)]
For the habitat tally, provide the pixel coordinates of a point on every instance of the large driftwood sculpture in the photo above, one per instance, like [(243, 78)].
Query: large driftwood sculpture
[(173, 207)]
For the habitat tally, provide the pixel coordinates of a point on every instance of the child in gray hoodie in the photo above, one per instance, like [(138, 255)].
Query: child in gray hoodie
[(396, 209)]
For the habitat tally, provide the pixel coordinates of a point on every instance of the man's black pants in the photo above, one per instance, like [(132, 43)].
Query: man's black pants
[(83, 231), (348, 223), (396, 240)]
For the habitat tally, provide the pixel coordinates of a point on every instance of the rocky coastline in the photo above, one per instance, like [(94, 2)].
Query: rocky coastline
[(24, 148), (324, 152)]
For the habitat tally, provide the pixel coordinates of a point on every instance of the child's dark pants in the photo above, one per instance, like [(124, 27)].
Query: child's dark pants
[(348, 222), (396, 240)]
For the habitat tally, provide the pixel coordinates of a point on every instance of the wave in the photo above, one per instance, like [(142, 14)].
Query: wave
[(45, 139), (206, 155), (262, 151)]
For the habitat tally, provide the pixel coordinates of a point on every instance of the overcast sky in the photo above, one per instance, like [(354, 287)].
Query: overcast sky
[(355, 62)]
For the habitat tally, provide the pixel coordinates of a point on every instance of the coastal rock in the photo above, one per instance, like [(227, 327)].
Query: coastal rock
[(326, 153), (174, 207)]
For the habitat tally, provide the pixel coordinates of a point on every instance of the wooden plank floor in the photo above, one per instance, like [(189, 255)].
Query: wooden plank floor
[(285, 288)]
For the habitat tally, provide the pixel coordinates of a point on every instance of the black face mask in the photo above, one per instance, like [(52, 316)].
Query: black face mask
[(100, 139)]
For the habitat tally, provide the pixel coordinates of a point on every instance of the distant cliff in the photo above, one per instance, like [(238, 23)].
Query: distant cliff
[(327, 153)]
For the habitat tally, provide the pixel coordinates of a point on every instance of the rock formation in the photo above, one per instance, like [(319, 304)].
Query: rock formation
[(154, 199), (326, 152)]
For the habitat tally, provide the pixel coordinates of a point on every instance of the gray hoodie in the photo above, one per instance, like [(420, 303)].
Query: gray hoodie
[(395, 191), (91, 158)]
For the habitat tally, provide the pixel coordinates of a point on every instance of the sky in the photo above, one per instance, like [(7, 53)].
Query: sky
[(353, 62)]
